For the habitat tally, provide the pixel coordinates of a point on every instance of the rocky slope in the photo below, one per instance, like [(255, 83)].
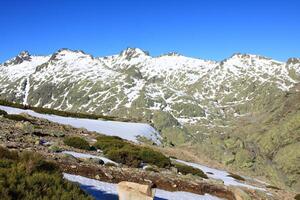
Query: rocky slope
[(242, 111), (47, 138)]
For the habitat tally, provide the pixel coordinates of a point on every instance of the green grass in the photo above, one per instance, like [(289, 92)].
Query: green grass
[(185, 169), (28, 176), (77, 142)]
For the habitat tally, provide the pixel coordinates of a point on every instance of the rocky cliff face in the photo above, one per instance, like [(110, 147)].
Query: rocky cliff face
[(242, 111)]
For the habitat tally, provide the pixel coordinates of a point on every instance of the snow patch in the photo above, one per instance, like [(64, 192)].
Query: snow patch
[(85, 155), (108, 191), (126, 130), (219, 174)]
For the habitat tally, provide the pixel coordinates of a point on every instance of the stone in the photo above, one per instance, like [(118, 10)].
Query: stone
[(97, 177), (135, 191)]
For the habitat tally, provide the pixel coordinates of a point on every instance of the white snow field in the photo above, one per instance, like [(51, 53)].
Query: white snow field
[(108, 191), (85, 155), (126, 130), (220, 174)]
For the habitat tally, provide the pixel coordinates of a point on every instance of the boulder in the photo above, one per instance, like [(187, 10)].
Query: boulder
[(135, 191)]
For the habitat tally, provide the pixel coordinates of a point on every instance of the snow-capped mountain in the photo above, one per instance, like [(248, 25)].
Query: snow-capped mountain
[(242, 111), (132, 83)]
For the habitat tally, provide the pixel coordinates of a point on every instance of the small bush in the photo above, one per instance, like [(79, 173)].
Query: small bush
[(6, 154), (126, 155), (31, 177), (297, 197), (2, 112), (274, 187), (19, 118), (106, 145), (151, 169), (129, 154), (110, 164), (77, 142), (5, 163), (55, 149), (185, 169), (150, 156), (237, 177)]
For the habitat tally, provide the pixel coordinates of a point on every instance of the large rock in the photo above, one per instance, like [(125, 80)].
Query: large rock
[(135, 191)]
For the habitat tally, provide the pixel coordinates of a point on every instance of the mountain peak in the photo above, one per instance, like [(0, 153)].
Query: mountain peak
[(68, 53), (24, 54), (293, 61), (21, 57), (130, 53), (248, 56)]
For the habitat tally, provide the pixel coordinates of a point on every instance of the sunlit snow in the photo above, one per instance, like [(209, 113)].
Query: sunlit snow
[(108, 191), (126, 130), (219, 174), (85, 155)]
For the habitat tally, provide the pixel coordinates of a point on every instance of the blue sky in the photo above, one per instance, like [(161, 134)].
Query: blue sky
[(208, 29)]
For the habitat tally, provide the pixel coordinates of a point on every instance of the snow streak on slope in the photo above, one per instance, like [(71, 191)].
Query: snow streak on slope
[(27, 88), (125, 130), (219, 174), (108, 191), (84, 155)]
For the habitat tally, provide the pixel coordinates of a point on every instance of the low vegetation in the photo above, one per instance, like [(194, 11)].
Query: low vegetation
[(273, 187), (237, 177), (14, 117), (61, 113), (28, 176), (185, 169), (77, 142), (3, 113), (297, 197), (130, 154), (19, 118)]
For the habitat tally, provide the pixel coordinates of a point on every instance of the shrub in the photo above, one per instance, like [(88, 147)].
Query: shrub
[(126, 155), (129, 154), (185, 169), (55, 149), (44, 181), (5, 163), (150, 156), (237, 177), (37, 164), (151, 169), (273, 187), (2, 112), (6, 154), (107, 144), (19, 118), (110, 164), (77, 142)]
